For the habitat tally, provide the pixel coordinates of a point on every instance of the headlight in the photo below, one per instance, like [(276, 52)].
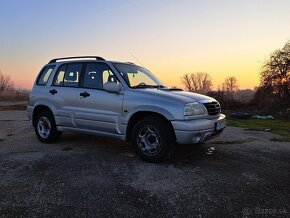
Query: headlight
[(192, 109)]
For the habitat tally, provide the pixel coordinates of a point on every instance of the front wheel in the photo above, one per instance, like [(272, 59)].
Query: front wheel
[(153, 139), (45, 127)]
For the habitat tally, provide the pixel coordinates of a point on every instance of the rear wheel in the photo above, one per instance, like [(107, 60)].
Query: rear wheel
[(45, 127), (153, 139)]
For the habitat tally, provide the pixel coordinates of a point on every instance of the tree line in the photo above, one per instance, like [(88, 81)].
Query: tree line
[(201, 82), (271, 96)]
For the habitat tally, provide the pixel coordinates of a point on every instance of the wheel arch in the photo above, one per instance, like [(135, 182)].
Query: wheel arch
[(37, 109), (141, 114)]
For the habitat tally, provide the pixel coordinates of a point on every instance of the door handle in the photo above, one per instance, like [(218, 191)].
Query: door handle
[(52, 91), (84, 94)]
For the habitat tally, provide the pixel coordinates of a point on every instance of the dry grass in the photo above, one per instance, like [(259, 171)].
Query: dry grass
[(17, 107), (13, 100), (14, 96)]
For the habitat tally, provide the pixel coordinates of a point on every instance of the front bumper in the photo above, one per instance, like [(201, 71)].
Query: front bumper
[(199, 130)]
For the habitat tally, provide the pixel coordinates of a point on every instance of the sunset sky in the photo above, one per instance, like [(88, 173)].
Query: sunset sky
[(168, 37)]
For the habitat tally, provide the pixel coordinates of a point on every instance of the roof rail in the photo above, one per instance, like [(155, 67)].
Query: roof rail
[(96, 57)]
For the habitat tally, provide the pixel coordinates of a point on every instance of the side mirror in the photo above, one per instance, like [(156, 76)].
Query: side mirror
[(112, 87)]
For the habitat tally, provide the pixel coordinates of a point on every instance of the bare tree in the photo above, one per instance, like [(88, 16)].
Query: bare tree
[(5, 82), (186, 80), (230, 85), (197, 82)]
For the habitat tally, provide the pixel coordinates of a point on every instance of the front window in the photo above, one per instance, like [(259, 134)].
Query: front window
[(138, 77), (96, 75)]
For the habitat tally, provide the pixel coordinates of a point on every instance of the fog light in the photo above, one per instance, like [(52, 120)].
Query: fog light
[(196, 138)]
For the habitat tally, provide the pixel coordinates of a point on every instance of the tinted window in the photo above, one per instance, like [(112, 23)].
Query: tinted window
[(97, 74), (58, 81), (68, 75), (44, 75)]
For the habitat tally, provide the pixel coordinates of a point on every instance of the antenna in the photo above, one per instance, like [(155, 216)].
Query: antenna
[(137, 60)]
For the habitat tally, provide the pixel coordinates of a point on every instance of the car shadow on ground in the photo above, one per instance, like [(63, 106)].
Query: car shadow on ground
[(183, 154), (73, 141), (190, 154)]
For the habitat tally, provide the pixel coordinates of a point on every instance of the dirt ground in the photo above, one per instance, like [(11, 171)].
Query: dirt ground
[(239, 174)]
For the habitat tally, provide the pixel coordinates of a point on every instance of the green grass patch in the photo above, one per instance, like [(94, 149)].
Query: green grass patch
[(279, 127), (280, 139)]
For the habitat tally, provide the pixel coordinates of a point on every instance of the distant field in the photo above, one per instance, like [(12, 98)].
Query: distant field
[(13, 100), (13, 97), (13, 107), (279, 127)]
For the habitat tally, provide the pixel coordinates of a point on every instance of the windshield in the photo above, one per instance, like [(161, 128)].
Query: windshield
[(138, 77)]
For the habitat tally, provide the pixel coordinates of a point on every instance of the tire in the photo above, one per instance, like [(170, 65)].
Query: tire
[(45, 127), (153, 139)]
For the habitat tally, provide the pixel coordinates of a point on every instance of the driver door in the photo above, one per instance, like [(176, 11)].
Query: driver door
[(97, 109)]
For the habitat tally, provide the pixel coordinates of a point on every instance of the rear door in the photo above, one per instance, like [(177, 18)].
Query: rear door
[(63, 93), (98, 110)]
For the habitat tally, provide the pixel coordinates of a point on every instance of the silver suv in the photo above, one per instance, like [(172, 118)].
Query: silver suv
[(119, 100)]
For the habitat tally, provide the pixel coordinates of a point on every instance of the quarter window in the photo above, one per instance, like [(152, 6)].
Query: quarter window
[(44, 75), (60, 75)]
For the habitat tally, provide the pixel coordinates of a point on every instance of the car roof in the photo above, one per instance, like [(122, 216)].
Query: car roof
[(79, 59)]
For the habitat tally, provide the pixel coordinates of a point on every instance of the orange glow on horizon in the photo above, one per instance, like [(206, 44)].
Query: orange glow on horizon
[(169, 74), (170, 38)]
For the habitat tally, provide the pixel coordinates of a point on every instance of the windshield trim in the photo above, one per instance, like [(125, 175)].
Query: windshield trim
[(158, 85)]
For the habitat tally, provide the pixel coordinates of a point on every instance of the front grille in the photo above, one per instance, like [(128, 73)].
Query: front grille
[(213, 108)]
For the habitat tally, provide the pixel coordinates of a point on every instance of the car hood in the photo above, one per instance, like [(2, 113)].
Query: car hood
[(177, 95)]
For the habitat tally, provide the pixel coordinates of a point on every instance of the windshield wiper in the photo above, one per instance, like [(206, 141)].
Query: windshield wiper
[(159, 86), (147, 86), (141, 85)]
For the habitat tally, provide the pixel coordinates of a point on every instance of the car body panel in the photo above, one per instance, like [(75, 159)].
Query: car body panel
[(101, 111)]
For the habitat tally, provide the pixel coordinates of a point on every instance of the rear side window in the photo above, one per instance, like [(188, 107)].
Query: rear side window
[(58, 81), (68, 75), (44, 75)]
